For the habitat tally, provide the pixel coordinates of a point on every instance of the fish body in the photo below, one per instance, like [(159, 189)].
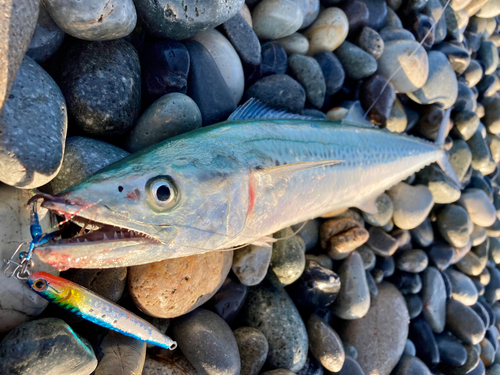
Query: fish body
[(98, 310), (227, 185)]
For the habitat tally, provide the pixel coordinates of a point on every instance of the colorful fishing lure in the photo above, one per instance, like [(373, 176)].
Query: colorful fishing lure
[(77, 299)]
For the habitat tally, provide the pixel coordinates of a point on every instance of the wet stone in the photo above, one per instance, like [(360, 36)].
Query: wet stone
[(388, 321), (434, 299), (165, 67), (451, 350), (288, 256), (333, 72), (96, 20), (206, 86), (463, 287), (357, 63), (101, 85), (82, 158), (24, 350), (308, 73), (325, 344), (177, 20), (382, 243), (453, 225), (407, 283), (440, 255), (270, 308), (464, 323), (317, 287), (274, 19), (171, 115), (253, 348), (353, 300), (377, 101), (279, 91), (414, 304), (207, 342), (47, 38), (423, 338), (32, 120), (243, 39)]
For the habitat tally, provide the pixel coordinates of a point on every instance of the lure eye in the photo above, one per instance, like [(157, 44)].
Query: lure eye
[(162, 192), (40, 285)]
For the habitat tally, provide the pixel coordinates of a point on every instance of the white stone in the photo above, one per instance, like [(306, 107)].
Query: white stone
[(481, 211), (274, 19), (411, 204), (226, 58), (18, 303), (295, 43), (250, 264)]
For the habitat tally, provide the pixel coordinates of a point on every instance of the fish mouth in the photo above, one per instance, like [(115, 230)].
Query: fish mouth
[(109, 232)]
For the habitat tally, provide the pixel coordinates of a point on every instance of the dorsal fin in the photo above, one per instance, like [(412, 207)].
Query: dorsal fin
[(255, 109), (355, 116), (288, 169)]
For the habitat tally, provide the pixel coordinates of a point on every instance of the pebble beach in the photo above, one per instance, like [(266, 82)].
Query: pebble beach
[(411, 289)]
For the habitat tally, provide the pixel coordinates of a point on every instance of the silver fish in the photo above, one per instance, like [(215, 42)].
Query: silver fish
[(231, 184)]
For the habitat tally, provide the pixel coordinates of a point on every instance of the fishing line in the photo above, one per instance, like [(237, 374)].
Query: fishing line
[(401, 66)]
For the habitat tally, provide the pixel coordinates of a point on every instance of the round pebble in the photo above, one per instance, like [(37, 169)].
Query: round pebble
[(288, 256), (325, 344), (412, 204), (250, 264), (328, 32), (453, 225), (253, 348), (274, 19), (295, 43), (308, 73)]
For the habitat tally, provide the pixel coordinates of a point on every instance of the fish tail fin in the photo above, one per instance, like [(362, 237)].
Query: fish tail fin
[(442, 159)]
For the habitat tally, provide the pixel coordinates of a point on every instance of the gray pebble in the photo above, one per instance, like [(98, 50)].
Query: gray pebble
[(384, 212), (460, 158), (473, 74), (414, 261), (480, 151), (45, 346), (488, 55), (474, 261), (309, 232), (389, 34), (250, 264), (101, 83), (492, 114), (410, 348), (288, 256), (207, 342), (398, 120), (82, 158), (350, 350), (466, 123), (494, 250), (308, 73), (34, 124), (464, 323), (453, 225), (382, 243), (463, 288), (423, 235), (95, 20), (368, 257), (414, 304), (253, 348), (325, 344), (322, 259), (171, 115), (434, 299), (269, 308), (370, 41), (357, 63), (410, 365)]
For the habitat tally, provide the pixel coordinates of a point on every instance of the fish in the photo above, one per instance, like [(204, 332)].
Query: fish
[(96, 309), (232, 184)]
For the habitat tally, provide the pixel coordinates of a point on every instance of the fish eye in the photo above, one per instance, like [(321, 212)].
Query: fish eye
[(40, 285), (162, 192)]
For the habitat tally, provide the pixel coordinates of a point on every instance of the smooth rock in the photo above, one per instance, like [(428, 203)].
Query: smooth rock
[(434, 10), (308, 73), (481, 211), (411, 365), (357, 14), (453, 225), (357, 63), (441, 85), (434, 299), (274, 19), (32, 119), (288, 256), (312, 367), (250, 264), (309, 232), (423, 235), (412, 70), (333, 72), (414, 304), (388, 34), (492, 289), (412, 204), (253, 348), (440, 255), (353, 300), (378, 13), (243, 39), (317, 287), (19, 19), (368, 257), (423, 338), (165, 67), (451, 350), (171, 115), (463, 288), (82, 158), (18, 303), (226, 58), (466, 124), (228, 300), (179, 20), (121, 355), (464, 323), (94, 20), (387, 265), (47, 38), (384, 211), (295, 43), (410, 348), (325, 344), (176, 286), (101, 83), (466, 100), (328, 32), (341, 235), (387, 320), (269, 308), (473, 74), (480, 152), (278, 91), (45, 346), (442, 188), (458, 57), (491, 118), (494, 250), (488, 55), (382, 243), (322, 259), (460, 158), (470, 364), (207, 342), (371, 42), (377, 97), (407, 283), (493, 142)]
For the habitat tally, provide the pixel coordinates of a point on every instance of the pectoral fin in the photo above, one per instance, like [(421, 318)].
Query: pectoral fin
[(266, 241), (369, 205), (289, 169)]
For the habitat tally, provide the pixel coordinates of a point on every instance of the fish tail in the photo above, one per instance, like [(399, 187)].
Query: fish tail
[(442, 159)]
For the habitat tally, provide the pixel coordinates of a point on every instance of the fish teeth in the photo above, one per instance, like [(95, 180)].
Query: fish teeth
[(85, 240), (122, 235), (105, 237), (115, 236)]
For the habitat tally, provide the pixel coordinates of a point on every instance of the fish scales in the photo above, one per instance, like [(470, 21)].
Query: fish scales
[(230, 184)]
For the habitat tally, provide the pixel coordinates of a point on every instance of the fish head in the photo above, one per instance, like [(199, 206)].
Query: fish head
[(49, 286), (151, 201)]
